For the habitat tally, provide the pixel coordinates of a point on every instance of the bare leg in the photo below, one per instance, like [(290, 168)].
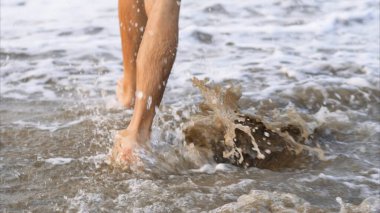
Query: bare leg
[(155, 59), (132, 18)]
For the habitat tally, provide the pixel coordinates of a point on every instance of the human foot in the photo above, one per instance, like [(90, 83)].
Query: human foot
[(123, 148), (125, 93)]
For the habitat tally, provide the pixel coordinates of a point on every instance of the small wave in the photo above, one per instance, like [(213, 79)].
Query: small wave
[(265, 201)]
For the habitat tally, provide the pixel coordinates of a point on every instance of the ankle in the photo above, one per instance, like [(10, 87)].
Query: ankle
[(140, 134)]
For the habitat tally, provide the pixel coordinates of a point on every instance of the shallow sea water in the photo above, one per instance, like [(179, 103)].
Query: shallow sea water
[(59, 64)]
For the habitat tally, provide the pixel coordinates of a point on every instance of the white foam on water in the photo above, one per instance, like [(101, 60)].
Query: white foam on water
[(325, 116), (59, 160), (213, 168), (265, 201), (84, 202), (341, 178), (359, 82), (370, 204), (81, 67), (274, 49), (96, 160), (51, 126)]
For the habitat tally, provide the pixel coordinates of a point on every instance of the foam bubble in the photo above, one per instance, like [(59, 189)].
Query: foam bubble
[(59, 160)]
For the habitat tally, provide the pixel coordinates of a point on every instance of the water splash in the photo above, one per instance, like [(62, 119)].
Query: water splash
[(246, 140)]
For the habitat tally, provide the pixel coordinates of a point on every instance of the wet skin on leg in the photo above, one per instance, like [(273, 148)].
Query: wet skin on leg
[(155, 58), (132, 20)]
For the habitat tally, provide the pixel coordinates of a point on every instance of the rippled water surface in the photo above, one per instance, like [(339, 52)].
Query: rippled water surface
[(59, 64)]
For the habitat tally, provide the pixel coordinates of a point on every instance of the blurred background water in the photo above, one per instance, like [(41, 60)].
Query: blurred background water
[(59, 64)]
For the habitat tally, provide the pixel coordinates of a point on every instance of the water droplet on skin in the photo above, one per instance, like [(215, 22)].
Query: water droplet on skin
[(149, 103), (139, 94), (156, 109)]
